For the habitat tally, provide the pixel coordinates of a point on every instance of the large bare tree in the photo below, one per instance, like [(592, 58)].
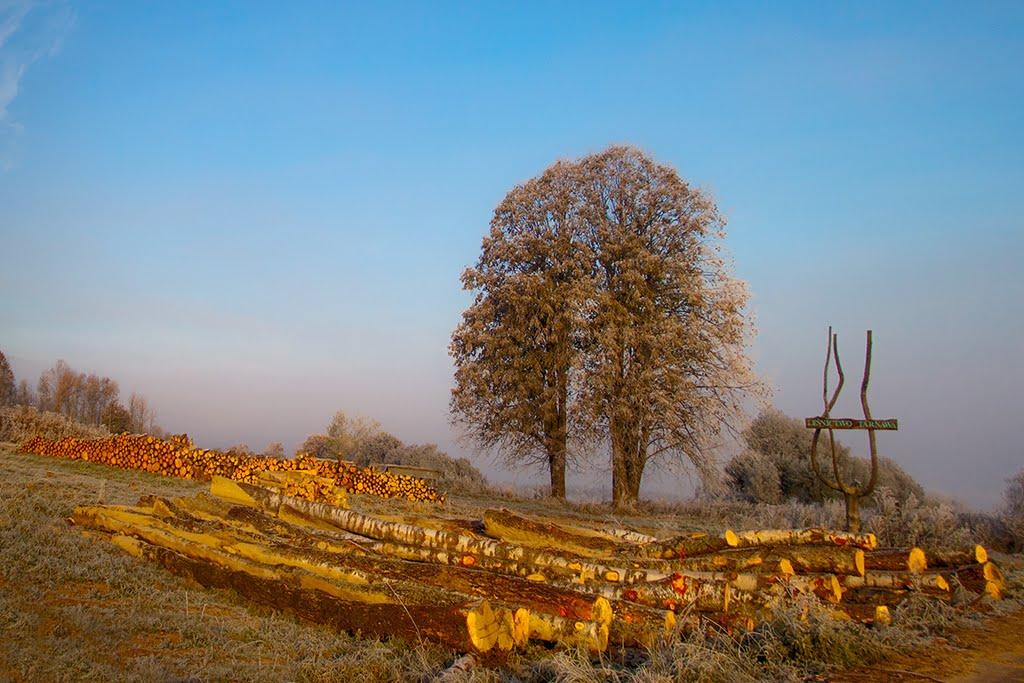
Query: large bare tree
[(515, 350), (666, 368)]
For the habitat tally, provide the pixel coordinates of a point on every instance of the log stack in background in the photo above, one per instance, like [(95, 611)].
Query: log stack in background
[(495, 584), (176, 456)]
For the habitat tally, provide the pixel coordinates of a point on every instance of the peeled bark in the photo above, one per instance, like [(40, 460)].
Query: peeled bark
[(627, 535)]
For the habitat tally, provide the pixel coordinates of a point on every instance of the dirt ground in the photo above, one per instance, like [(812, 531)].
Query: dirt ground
[(992, 653)]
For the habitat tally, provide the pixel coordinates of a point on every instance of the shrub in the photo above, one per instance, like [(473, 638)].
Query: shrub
[(916, 522), (1012, 514), (776, 465), (20, 423)]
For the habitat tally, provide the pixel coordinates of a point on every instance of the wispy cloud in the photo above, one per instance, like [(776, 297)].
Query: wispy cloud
[(30, 30)]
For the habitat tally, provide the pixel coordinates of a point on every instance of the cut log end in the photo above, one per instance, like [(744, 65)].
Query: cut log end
[(482, 627), (980, 554), (917, 562), (882, 616), (521, 626), (731, 539), (858, 561), (602, 611)]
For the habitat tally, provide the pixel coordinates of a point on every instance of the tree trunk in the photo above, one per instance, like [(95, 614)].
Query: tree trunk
[(852, 512), (556, 463)]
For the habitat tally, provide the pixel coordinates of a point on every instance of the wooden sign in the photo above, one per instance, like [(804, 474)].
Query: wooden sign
[(848, 423)]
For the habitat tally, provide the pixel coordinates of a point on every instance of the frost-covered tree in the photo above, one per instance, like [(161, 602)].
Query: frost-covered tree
[(604, 311), (516, 350)]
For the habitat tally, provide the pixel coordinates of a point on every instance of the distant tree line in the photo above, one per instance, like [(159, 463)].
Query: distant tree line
[(85, 398)]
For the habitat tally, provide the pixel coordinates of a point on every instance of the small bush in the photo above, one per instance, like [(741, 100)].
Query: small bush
[(776, 465), (913, 522), (1012, 514), (20, 423)]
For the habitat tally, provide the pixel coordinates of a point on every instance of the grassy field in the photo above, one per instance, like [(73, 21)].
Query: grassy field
[(73, 608)]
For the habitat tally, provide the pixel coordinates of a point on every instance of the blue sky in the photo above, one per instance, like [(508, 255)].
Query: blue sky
[(256, 214)]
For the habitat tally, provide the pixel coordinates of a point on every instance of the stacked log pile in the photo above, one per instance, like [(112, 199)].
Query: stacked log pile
[(495, 584), (324, 480)]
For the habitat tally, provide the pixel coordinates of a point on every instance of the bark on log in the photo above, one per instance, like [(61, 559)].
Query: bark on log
[(486, 628), (307, 550), (803, 559), (887, 596), (682, 547), (899, 580), (746, 539), (985, 578), (911, 560), (369, 570), (522, 560), (627, 535), (294, 591), (508, 526), (957, 558)]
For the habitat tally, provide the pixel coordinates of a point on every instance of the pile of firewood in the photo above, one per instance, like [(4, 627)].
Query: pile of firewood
[(322, 480), (497, 583)]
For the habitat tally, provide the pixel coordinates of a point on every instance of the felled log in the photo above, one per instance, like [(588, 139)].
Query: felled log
[(898, 580), (366, 569), (958, 558), (911, 560), (985, 578), (868, 595), (360, 582), (684, 546), (627, 535), (321, 553), (508, 526), (517, 559), (467, 627), (868, 614), (803, 559), (676, 593), (772, 537)]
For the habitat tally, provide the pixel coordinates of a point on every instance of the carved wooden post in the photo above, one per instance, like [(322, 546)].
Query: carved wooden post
[(852, 493)]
